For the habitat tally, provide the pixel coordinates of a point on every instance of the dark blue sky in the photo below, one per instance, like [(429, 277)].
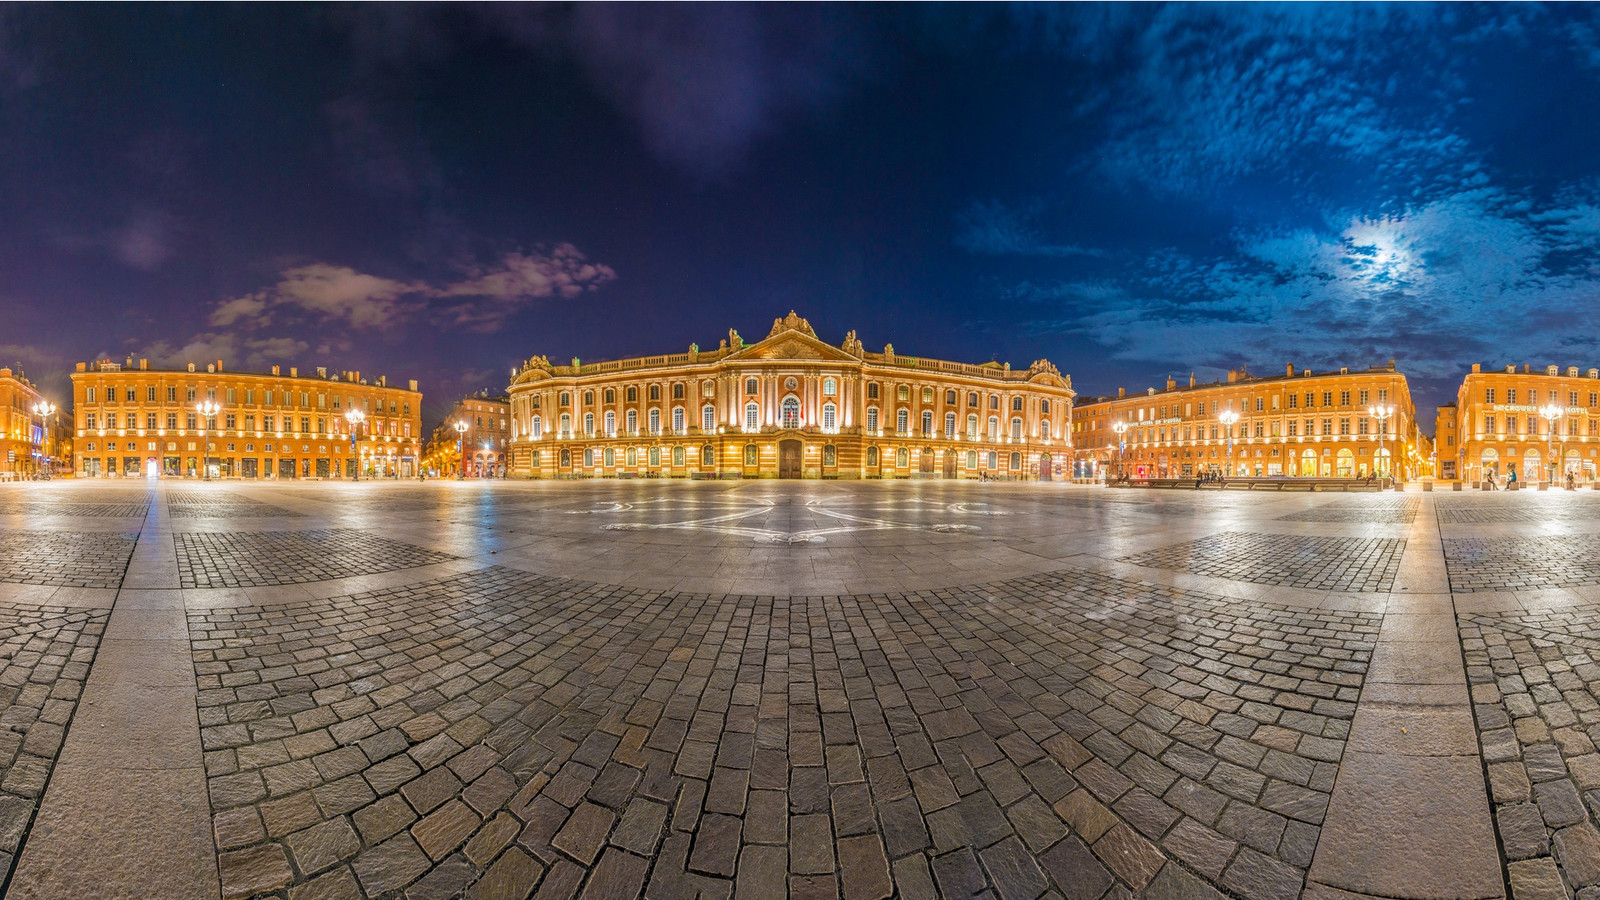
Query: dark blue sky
[(1129, 191)]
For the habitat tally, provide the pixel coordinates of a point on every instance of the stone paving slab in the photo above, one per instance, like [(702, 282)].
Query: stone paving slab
[(1318, 563), (202, 504), (213, 560), (65, 558), (1522, 563)]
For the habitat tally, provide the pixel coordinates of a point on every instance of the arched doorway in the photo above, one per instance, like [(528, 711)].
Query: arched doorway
[(925, 461), (1532, 466), (1347, 463), (789, 455), (950, 464), (1044, 467), (1308, 464)]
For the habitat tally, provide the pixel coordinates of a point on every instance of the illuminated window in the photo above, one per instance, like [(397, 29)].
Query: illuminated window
[(949, 425), (677, 420), (872, 419), (830, 417), (791, 412), (655, 420), (708, 418), (632, 418), (611, 423), (830, 387), (902, 420), (752, 417)]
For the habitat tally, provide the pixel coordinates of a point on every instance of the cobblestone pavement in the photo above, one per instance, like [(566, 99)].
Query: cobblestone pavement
[(1367, 510), (1522, 563), (1318, 563), (219, 505), (19, 506), (64, 558), (1535, 678), (242, 559), (1515, 512), (499, 731), (45, 652)]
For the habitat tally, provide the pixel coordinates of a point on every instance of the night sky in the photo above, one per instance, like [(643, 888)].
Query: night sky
[(1130, 191)]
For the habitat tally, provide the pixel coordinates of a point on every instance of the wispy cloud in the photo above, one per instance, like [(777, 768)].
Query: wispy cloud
[(482, 298), (996, 229)]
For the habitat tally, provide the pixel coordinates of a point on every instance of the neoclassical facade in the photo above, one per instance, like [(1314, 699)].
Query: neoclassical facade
[(789, 406)]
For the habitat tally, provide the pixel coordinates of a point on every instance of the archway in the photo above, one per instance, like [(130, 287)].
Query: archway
[(790, 453), (1044, 467), (925, 461), (1308, 464), (1347, 463)]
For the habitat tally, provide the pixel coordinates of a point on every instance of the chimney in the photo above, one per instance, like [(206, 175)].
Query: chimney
[(1122, 392), (383, 381), (413, 384), (274, 370), (1476, 368), (129, 363), (1232, 376), (1171, 382), (1191, 379), (294, 372), (1289, 371), (219, 365), (83, 367), (144, 364)]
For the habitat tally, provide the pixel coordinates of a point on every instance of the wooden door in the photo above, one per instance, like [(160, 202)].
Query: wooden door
[(789, 456)]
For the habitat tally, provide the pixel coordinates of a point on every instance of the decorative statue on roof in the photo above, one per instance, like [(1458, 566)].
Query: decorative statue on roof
[(791, 322), (852, 344), (734, 340)]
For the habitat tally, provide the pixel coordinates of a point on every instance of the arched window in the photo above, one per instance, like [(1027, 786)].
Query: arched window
[(677, 456), (752, 417), (537, 429), (708, 457), (566, 398), (972, 426), (791, 412), (655, 392), (611, 423), (633, 394), (1044, 430), (588, 457), (1016, 428), (950, 425), (655, 420), (752, 386), (830, 455), (566, 425), (566, 458), (708, 418), (872, 457), (994, 428), (927, 422), (994, 462), (830, 387), (677, 391), (632, 416), (972, 459), (677, 420), (972, 398), (611, 395), (655, 456), (632, 455), (902, 420), (902, 458), (610, 457), (588, 424), (830, 417), (535, 401), (1016, 462), (872, 419), (950, 398), (1044, 407), (588, 398), (752, 456)]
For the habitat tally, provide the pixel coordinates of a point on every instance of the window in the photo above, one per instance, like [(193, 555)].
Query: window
[(708, 418), (994, 428), (752, 386), (677, 420), (172, 421), (1259, 407), (902, 392), (677, 456), (1511, 395), (972, 398), (1344, 427), (927, 422), (566, 425), (536, 429), (872, 419), (150, 421), (791, 413), (566, 398), (611, 395), (1327, 427), (89, 419), (830, 417), (1044, 430), (1327, 398), (132, 395), (677, 391), (89, 396), (927, 395), (1016, 428), (266, 423), (830, 387), (994, 401), (972, 459), (172, 394), (872, 457), (632, 417), (588, 424), (1294, 428), (950, 425), (972, 426), (655, 456), (1361, 398), (1294, 402), (950, 398), (1016, 404), (1311, 400), (1344, 398), (609, 457), (1044, 407), (993, 460), (752, 417), (872, 391), (655, 420), (633, 394), (752, 456), (830, 455), (1488, 424), (1488, 395), (902, 420), (708, 456), (655, 392), (611, 423), (1361, 425), (1016, 462)]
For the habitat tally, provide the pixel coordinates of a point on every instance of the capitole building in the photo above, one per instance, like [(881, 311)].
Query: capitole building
[(789, 406)]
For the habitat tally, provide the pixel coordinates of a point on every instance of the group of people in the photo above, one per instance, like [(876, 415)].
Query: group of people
[(1500, 483), (1210, 476)]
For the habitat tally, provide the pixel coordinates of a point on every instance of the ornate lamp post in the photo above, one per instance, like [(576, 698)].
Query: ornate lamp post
[(1551, 413), (44, 410), (1227, 417), (461, 459), (355, 417), (208, 410), (1383, 414), (1119, 427)]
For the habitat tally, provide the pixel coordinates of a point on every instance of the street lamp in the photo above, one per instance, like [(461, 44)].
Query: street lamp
[(355, 417), (1551, 413), (1382, 414), (1227, 417), (461, 461), (1119, 427), (208, 410), (44, 410)]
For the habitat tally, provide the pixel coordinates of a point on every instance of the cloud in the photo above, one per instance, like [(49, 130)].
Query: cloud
[(232, 349), (482, 298), (992, 228), (146, 241)]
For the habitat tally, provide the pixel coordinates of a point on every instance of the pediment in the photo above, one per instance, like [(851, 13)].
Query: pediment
[(792, 344)]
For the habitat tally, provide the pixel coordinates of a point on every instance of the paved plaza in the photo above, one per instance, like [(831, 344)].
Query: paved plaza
[(767, 689)]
